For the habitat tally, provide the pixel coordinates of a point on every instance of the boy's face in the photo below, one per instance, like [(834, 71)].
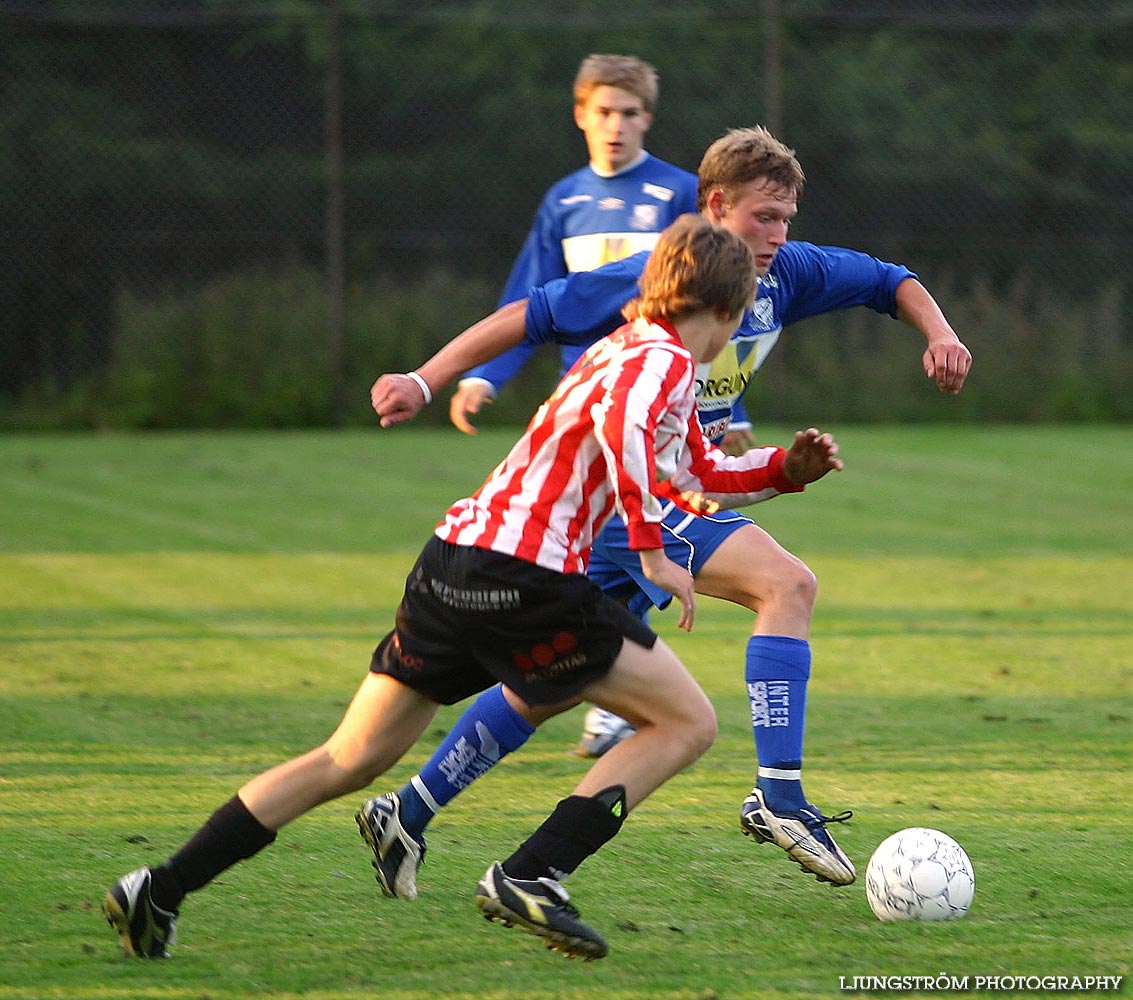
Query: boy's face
[(614, 122), (760, 214)]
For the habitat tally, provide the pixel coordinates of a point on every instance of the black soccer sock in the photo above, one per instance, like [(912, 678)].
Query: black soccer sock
[(229, 835), (577, 828)]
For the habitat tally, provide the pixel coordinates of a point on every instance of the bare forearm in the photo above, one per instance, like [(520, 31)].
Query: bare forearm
[(917, 308), (946, 360), (481, 342), (399, 397)]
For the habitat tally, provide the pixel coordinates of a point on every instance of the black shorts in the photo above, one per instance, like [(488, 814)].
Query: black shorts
[(471, 617)]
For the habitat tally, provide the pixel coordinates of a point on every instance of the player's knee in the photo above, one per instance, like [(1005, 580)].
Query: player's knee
[(772, 578), (697, 732), (791, 581), (805, 583), (706, 732), (354, 770), (353, 777)]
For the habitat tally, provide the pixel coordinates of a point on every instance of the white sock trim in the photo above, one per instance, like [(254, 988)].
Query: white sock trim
[(426, 795), (781, 774)]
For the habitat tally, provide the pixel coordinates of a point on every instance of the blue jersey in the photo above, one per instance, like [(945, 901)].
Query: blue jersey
[(804, 280), (584, 221)]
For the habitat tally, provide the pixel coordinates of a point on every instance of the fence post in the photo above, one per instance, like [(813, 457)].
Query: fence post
[(335, 282), (773, 65)]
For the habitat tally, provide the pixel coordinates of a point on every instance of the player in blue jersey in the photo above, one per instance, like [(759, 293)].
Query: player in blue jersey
[(613, 207), (749, 183)]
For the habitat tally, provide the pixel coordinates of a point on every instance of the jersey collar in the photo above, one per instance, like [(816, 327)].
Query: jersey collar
[(638, 161)]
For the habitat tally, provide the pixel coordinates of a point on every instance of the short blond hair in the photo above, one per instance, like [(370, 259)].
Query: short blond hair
[(624, 72), (742, 155), (695, 266)]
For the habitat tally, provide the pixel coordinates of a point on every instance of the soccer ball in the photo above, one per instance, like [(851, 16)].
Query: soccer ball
[(919, 874)]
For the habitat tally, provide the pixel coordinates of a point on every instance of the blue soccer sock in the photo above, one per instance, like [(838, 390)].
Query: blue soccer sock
[(487, 732), (778, 668)]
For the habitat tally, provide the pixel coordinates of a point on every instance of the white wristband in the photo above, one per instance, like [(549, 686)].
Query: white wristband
[(424, 386)]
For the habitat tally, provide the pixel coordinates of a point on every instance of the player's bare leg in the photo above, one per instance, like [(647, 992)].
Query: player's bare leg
[(383, 721), (675, 725), (674, 719), (753, 570)]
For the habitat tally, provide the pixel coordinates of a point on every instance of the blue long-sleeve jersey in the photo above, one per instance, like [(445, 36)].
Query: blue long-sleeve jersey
[(586, 220), (804, 280)]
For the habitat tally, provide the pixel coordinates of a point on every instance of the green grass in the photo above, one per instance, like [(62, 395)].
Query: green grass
[(180, 611)]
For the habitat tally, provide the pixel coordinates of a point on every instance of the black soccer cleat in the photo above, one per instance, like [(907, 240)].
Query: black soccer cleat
[(540, 907), (145, 930)]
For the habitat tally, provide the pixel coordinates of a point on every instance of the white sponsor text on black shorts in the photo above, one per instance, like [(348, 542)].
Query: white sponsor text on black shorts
[(471, 617)]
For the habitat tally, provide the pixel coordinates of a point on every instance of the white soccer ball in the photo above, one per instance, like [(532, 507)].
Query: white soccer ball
[(919, 874)]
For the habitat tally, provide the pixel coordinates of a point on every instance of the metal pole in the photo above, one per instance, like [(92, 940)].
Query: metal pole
[(336, 341), (773, 88), (773, 66)]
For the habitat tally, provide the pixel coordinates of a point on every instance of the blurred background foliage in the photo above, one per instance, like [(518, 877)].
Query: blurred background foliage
[(240, 213)]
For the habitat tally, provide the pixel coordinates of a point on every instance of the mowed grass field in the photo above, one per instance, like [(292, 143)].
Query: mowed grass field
[(180, 611)]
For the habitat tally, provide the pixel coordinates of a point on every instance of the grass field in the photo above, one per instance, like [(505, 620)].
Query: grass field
[(180, 611)]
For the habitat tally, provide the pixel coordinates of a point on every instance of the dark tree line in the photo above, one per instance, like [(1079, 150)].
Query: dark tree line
[(149, 148)]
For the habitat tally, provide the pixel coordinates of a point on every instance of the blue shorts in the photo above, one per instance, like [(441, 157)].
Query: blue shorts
[(689, 541)]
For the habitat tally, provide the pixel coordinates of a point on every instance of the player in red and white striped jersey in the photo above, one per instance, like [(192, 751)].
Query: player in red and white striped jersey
[(499, 594), (619, 430)]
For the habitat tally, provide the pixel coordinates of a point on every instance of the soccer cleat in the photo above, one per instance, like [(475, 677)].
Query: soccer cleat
[(602, 731), (145, 930), (802, 834), (542, 907), (397, 854)]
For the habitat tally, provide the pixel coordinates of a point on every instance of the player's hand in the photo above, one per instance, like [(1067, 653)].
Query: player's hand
[(947, 363), (661, 570), (396, 398), (468, 399), (738, 441), (812, 455)]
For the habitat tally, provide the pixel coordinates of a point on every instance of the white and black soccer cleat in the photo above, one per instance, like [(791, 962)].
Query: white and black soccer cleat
[(602, 731), (397, 854), (802, 834)]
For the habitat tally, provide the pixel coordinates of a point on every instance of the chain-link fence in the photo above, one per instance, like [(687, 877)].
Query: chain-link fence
[(201, 194)]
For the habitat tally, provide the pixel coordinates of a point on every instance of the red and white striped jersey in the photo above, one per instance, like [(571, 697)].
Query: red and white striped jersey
[(620, 430)]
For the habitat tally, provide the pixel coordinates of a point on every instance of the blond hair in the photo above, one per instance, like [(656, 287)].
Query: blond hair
[(694, 266), (747, 154), (624, 72)]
